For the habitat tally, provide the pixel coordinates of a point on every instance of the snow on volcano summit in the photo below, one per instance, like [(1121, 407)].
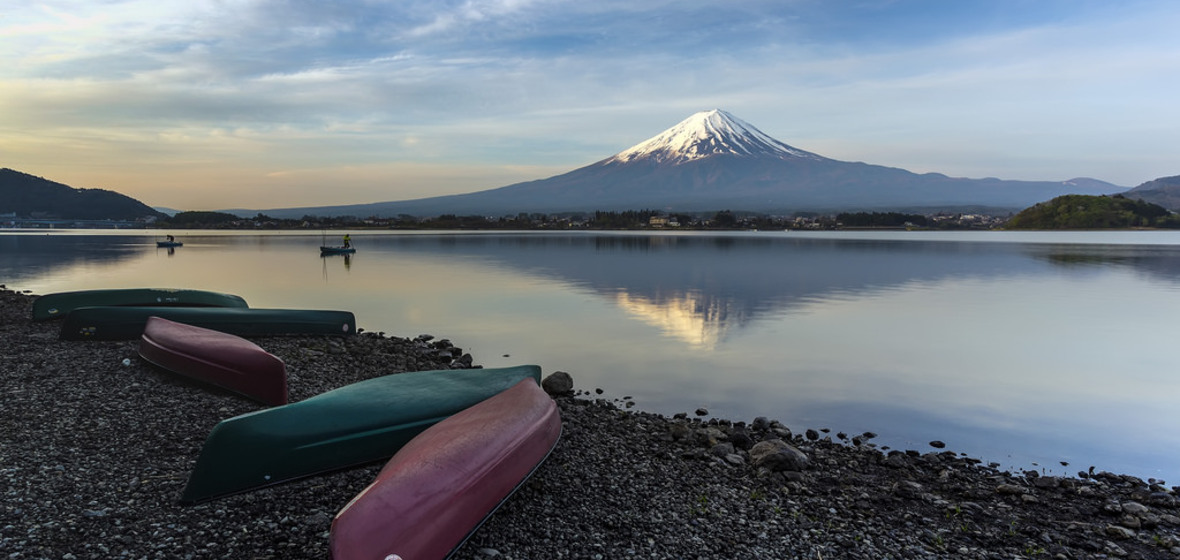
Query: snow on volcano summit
[(710, 133)]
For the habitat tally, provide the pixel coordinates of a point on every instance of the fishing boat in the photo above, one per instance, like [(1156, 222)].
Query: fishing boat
[(169, 244), (324, 250), (57, 305), (217, 358), (438, 489), (353, 425), (128, 323)]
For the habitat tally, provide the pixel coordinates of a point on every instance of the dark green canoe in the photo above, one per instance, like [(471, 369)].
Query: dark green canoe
[(126, 323), (58, 305), (356, 424)]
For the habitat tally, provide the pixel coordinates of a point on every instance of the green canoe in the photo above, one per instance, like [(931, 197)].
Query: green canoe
[(355, 424), (126, 323), (58, 305)]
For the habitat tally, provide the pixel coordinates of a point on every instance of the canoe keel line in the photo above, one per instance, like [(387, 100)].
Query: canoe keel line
[(438, 489), (214, 357), (127, 323), (60, 304)]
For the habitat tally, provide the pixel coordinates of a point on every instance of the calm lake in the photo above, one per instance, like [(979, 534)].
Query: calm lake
[(1026, 349)]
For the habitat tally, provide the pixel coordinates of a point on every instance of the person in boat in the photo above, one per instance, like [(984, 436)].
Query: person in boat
[(171, 239), (347, 241)]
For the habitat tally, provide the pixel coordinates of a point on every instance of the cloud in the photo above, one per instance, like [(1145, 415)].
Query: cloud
[(973, 88)]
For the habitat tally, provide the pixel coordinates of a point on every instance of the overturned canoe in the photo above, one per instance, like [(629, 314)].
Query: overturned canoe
[(57, 305), (355, 424), (439, 488), (214, 357), (126, 323)]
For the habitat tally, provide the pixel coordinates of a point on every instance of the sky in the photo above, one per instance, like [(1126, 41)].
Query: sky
[(215, 104)]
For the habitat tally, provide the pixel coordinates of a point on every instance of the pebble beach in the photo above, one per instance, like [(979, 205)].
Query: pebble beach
[(96, 446)]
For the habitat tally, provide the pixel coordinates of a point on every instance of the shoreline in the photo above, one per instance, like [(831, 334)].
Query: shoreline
[(94, 454)]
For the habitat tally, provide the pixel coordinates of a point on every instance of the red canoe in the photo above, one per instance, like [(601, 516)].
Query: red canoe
[(221, 359), (440, 487)]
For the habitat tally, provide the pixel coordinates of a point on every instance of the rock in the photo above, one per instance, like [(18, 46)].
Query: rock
[(777, 455), (722, 449), (1046, 482), (318, 519), (1130, 522), (680, 432), (937, 444), (896, 460), (1117, 532), (741, 440), (1010, 490), (558, 383), (1134, 508)]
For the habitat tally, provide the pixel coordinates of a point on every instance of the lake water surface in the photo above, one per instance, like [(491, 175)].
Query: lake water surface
[(1026, 349)]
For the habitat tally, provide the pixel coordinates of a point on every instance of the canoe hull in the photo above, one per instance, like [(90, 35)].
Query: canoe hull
[(444, 483), (169, 244), (58, 305), (337, 250), (217, 358), (127, 323), (353, 425)]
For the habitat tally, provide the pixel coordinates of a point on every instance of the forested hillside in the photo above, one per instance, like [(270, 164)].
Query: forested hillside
[(1093, 212)]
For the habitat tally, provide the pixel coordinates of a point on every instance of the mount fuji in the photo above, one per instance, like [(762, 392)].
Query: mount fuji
[(714, 161)]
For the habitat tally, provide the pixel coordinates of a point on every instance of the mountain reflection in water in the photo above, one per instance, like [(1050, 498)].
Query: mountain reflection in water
[(699, 289)]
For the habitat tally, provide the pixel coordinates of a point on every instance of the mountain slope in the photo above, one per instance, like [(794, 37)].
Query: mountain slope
[(29, 196), (1164, 191), (712, 161)]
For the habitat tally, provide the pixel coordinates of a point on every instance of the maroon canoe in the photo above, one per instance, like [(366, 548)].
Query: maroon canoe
[(440, 487), (221, 359)]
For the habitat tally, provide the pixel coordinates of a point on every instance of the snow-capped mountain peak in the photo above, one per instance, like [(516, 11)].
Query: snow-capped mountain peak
[(710, 133)]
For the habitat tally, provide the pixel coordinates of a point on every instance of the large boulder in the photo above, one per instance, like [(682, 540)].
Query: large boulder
[(559, 383), (777, 455)]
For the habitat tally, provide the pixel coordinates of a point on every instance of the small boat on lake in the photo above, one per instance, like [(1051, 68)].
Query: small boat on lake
[(60, 304), (127, 323), (353, 425), (217, 358), (336, 250), (170, 244), (439, 488)]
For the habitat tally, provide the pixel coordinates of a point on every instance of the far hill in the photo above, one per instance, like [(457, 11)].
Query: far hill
[(1164, 191), (28, 196), (1094, 212), (714, 161), (199, 220)]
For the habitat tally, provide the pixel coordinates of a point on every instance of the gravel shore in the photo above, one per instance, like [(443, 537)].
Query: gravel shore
[(95, 451)]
